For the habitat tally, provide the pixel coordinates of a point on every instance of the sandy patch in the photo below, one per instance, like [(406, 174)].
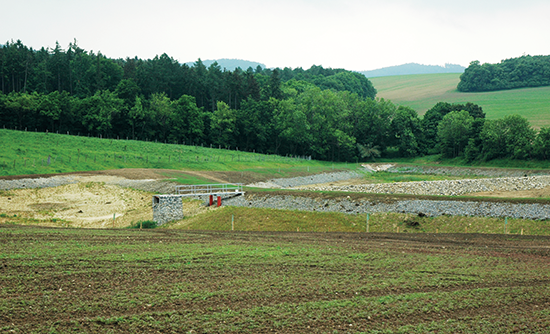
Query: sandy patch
[(90, 203), (535, 193), (264, 185), (335, 183), (96, 201), (377, 167)]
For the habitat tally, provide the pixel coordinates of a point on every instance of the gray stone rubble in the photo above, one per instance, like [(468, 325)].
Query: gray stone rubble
[(466, 171), (167, 208), (426, 207), (43, 182), (162, 187), (516, 181), (447, 187)]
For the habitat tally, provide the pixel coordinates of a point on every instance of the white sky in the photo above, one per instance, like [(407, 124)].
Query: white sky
[(350, 34)]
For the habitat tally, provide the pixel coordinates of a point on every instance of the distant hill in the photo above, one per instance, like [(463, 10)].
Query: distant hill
[(230, 64), (413, 68)]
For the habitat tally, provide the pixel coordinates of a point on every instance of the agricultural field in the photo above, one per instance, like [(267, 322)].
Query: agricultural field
[(69, 261), (167, 281), (423, 91)]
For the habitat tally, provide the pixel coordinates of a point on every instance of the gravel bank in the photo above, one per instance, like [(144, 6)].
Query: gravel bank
[(447, 187), (45, 182), (162, 187), (427, 207), (465, 171)]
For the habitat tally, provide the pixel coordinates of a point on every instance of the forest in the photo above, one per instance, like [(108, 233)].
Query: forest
[(525, 71), (325, 114)]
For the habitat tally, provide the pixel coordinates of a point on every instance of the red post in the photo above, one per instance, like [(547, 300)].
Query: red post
[(219, 201), (211, 200)]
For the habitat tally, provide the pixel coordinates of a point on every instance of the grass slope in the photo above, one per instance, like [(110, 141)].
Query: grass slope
[(258, 219), (28, 153), (423, 91)]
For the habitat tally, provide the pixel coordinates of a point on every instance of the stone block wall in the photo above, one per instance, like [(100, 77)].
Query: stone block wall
[(167, 208)]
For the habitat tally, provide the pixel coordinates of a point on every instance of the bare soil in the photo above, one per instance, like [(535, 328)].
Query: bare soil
[(89, 203), (96, 201), (128, 173), (535, 193), (150, 292), (158, 174)]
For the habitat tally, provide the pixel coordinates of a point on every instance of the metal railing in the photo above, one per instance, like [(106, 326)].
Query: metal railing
[(210, 189)]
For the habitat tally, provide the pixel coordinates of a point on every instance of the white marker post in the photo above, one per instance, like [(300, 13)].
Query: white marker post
[(505, 224)]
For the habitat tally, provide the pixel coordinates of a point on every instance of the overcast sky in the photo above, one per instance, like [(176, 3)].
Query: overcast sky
[(350, 34)]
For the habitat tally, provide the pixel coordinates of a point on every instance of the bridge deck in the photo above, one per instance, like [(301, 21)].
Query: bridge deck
[(210, 189)]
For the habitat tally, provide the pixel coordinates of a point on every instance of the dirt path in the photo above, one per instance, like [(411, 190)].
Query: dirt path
[(207, 175)]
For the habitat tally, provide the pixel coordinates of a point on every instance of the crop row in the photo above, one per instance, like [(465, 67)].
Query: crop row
[(129, 280)]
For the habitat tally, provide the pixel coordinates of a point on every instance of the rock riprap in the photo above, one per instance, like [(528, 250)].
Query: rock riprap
[(163, 187), (446, 187), (464, 171), (43, 182), (425, 207)]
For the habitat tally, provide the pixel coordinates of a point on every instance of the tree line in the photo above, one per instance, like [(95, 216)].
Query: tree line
[(82, 73), (328, 114), (457, 130), (525, 71), (306, 121)]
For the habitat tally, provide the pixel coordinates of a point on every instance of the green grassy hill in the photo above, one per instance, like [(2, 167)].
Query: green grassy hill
[(46, 153), (423, 91)]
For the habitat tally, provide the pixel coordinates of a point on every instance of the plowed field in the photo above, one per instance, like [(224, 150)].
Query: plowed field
[(165, 281)]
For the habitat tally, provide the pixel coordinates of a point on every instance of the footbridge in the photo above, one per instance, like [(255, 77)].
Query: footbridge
[(169, 207), (210, 189)]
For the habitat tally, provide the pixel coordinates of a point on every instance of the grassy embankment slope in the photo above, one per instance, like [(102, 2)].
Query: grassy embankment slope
[(257, 219), (423, 91), (27, 153)]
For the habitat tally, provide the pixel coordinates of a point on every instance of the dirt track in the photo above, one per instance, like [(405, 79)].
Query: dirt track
[(158, 174)]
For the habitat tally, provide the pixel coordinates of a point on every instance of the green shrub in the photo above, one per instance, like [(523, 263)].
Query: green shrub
[(144, 224)]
